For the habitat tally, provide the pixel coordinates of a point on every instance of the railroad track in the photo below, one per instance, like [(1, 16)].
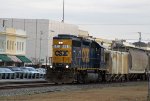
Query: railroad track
[(46, 84), (25, 85), (38, 88)]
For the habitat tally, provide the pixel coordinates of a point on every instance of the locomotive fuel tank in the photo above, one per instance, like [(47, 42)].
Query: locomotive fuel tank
[(92, 76)]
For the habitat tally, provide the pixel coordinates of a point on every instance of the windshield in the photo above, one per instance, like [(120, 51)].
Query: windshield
[(25, 70), (16, 69), (2, 70), (31, 69), (7, 70), (41, 69)]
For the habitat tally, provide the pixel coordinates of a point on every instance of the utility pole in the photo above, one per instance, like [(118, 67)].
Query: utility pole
[(148, 68), (12, 23), (36, 41), (4, 20), (46, 63), (63, 12), (3, 23), (41, 33), (24, 24), (140, 39)]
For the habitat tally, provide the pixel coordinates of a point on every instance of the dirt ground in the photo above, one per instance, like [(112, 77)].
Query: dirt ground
[(130, 93)]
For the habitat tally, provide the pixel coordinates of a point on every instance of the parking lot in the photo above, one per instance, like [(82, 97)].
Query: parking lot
[(16, 73)]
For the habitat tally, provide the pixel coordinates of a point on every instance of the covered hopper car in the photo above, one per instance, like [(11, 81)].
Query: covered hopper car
[(127, 65)]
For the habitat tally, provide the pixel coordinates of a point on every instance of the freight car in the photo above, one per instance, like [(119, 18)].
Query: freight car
[(138, 61), (117, 65), (130, 64), (76, 59)]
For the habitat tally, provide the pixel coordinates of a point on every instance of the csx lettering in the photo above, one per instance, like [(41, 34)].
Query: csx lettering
[(61, 53)]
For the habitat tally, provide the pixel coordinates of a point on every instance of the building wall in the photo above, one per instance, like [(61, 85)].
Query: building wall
[(33, 28), (2, 43), (148, 44), (21, 42), (37, 29)]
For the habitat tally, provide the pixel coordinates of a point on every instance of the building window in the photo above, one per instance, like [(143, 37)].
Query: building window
[(1, 45), (12, 45), (7, 44), (17, 46), (22, 46)]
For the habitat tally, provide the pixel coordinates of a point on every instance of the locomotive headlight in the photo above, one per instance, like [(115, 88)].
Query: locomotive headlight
[(60, 42), (67, 66), (51, 66)]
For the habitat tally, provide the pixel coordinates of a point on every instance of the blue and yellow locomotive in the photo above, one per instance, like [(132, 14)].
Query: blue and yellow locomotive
[(76, 59)]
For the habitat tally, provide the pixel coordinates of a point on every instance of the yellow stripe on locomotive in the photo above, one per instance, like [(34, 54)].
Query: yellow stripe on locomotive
[(62, 50)]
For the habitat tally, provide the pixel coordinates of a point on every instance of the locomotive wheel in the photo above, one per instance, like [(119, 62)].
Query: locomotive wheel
[(82, 77), (100, 78), (108, 78)]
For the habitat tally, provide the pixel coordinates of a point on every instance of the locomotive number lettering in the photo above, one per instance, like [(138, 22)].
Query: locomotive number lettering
[(61, 53)]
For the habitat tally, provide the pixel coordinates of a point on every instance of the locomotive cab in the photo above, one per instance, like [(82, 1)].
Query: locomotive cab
[(61, 59), (62, 51)]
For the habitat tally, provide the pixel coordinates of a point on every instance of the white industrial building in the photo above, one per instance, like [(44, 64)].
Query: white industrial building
[(39, 35)]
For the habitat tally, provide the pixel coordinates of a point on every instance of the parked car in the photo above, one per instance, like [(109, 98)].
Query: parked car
[(8, 73), (19, 73), (27, 73), (2, 73), (32, 71), (42, 72)]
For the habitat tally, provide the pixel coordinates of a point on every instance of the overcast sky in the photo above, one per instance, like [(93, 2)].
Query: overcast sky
[(102, 18)]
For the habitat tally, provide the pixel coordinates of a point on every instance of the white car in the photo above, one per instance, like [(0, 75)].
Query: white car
[(7, 73), (2, 73), (32, 71), (42, 72)]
